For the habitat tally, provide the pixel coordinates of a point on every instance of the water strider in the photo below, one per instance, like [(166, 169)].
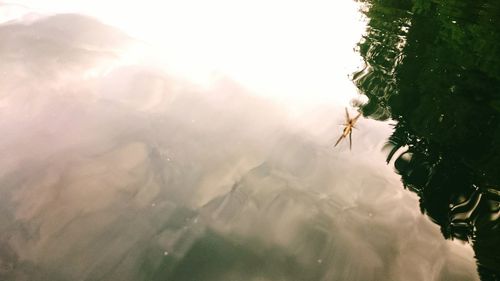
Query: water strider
[(349, 125)]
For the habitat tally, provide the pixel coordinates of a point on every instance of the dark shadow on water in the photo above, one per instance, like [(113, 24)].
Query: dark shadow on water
[(434, 68)]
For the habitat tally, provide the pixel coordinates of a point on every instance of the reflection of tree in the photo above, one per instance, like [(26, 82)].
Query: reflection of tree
[(434, 67)]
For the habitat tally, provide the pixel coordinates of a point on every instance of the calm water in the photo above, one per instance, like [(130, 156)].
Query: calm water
[(116, 168)]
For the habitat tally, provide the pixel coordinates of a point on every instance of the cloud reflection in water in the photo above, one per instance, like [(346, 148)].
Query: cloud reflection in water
[(129, 174)]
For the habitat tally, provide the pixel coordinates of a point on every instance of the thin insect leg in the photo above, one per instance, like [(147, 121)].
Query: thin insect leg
[(339, 140), (350, 140)]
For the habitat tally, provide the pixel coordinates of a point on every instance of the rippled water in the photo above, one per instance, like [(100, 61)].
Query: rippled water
[(132, 173), (434, 68)]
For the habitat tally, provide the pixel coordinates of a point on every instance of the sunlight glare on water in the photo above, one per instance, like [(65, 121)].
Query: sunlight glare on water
[(296, 52), (190, 166)]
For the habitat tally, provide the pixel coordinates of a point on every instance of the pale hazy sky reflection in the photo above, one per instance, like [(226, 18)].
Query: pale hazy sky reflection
[(122, 163), (295, 51)]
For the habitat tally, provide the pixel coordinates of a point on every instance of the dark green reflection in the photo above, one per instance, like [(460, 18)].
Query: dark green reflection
[(434, 67)]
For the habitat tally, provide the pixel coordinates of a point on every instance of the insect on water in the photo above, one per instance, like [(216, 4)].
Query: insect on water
[(349, 125)]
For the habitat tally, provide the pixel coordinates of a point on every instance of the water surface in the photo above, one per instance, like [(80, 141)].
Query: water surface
[(115, 168), (434, 68)]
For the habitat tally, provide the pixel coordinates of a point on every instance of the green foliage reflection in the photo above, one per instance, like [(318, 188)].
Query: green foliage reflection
[(434, 67)]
